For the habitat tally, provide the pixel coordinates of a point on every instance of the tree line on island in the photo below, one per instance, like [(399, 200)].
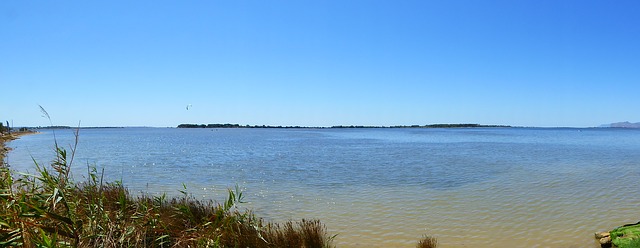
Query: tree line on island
[(227, 125)]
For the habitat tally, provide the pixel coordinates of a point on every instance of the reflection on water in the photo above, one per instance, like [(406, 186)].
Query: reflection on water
[(386, 187)]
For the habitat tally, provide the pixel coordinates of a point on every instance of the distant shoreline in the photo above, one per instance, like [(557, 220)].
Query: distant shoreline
[(341, 126)]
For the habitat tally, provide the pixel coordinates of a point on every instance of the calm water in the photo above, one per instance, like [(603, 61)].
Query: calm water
[(385, 187)]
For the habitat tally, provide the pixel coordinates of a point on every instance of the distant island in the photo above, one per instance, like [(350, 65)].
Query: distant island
[(625, 124), (227, 125)]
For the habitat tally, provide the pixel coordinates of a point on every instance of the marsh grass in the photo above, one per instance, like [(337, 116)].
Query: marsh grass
[(48, 210)]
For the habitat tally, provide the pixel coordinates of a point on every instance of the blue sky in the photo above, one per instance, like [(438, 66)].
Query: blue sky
[(320, 63)]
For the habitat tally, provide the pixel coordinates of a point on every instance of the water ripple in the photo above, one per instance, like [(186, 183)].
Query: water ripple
[(387, 187)]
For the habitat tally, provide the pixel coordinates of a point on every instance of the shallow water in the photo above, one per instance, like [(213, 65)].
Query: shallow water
[(493, 187)]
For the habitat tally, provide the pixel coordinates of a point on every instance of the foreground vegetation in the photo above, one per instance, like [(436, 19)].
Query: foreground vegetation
[(627, 236)]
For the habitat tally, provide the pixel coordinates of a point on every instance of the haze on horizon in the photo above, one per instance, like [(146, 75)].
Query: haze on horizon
[(288, 63)]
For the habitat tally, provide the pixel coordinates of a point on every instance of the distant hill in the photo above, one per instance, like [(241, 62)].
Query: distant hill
[(625, 124)]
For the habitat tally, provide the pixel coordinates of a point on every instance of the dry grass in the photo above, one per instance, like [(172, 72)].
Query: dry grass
[(94, 215), (427, 242)]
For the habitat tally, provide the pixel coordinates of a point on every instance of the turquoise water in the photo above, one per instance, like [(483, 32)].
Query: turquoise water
[(484, 187)]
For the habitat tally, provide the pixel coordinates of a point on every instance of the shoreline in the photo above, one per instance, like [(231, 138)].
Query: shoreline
[(4, 138)]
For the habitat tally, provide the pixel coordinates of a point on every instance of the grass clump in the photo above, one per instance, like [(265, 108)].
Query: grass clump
[(627, 236), (49, 209), (427, 242)]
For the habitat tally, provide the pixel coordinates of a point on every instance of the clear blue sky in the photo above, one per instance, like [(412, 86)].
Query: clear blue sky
[(320, 63)]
